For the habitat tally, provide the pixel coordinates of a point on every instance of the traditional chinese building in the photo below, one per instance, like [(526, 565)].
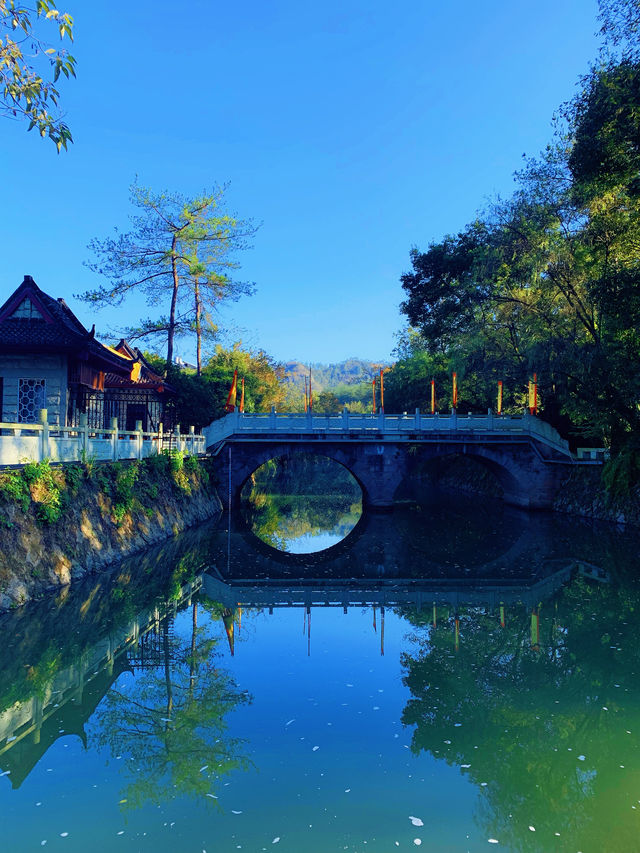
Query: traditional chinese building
[(48, 360)]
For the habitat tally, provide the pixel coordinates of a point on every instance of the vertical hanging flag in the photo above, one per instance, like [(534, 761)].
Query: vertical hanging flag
[(381, 391), (373, 391), (533, 395), (233, 393), (306, 403), (455, 391), (500, 397), (433, 396), (310, 393), (242, 395)]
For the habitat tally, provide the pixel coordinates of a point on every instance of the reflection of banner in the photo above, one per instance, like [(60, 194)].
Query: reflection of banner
[(227, 618)]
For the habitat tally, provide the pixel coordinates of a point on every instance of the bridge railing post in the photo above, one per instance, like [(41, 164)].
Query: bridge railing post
[(272, 418), (489, 419), (418, 420), (381, 421), (453, 419), (345, 419)]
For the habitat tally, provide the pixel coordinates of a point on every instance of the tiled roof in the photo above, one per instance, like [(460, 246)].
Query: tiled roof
[(147, 377), (57, 330)]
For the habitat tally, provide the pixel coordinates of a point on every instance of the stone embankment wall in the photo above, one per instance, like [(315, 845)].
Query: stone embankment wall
[(58, 524), (580, 491)]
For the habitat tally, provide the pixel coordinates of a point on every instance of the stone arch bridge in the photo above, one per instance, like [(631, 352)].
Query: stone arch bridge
[(526, 455)]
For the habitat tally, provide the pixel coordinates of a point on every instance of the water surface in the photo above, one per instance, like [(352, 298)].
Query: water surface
[(454, 676)]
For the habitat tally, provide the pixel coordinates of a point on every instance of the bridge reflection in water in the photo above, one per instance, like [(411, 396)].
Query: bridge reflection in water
[(514, 564)]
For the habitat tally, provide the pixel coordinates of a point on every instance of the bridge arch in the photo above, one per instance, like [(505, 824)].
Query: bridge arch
[(288, 451)]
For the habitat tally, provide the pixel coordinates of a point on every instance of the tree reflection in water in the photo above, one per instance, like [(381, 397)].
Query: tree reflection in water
[(544, 728), (170, 720), (292, 500)]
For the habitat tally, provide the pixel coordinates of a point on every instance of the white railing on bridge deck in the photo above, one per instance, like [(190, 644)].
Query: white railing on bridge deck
[(389, 426), (21, 443)]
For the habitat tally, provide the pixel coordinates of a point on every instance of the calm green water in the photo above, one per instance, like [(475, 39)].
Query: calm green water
[(454, 676)]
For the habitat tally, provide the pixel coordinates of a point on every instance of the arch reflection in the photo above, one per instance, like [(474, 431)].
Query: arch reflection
[(301, 503)]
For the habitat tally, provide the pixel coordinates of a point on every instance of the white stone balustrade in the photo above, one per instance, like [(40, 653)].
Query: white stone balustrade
[(22, 443), (390, 427)]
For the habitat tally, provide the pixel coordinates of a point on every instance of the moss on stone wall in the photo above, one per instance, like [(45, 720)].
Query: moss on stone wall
[(57, 524)]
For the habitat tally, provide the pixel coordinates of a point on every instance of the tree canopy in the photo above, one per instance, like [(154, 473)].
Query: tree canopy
[(179, 254), (548, 280), (30, 67)]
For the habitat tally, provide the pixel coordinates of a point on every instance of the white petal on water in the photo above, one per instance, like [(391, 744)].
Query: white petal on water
[(6, 773), (10, 739), (493, 840), (465, 766), (315, 749), (63, 834), (204, 768), (581, 758), (457, 725), (121, 832), (604, 708), (416, 821), (276, 839), (42, 843), (532, 828), (289, 723), (213, 796), (233, 811), (376, 707), (417, 842), (346, 790)]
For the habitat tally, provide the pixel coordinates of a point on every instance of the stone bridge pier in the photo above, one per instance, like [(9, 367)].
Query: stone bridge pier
[(526, 477)]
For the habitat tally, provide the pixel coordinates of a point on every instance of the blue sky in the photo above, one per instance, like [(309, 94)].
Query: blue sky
[(351, 130)]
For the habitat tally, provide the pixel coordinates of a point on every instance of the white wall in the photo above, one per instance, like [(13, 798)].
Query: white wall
[(51, 368)]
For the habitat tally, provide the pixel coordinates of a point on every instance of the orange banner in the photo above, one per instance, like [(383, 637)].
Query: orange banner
[(233, 393)]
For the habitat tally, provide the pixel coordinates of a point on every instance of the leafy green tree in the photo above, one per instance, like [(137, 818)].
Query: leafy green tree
[(179, 251), (27, 91), (201, 399), (326, 403)]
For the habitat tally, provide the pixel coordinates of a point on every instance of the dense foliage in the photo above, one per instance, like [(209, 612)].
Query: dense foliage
[(201, 399), (547, 281)]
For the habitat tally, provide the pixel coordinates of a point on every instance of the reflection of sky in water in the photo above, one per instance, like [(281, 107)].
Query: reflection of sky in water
[(310, 542)]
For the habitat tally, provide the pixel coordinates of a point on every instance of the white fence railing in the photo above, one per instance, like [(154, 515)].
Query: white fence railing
[(22, 443), (382, 425)]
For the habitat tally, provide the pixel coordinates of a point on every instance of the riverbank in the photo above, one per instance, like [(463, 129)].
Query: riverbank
[(580, 492), (59, 524)]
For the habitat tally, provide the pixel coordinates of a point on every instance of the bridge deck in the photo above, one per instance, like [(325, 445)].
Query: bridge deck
[(345, 426)]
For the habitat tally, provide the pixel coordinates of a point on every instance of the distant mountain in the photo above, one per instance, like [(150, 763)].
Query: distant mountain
[(351, 371)]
